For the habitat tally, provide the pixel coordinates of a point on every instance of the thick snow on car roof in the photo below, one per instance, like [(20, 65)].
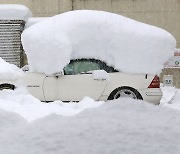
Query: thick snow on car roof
[(14, 12), (123, 43)]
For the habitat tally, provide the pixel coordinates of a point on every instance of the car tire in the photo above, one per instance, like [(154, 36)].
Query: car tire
[(125, 92), (7, 86)]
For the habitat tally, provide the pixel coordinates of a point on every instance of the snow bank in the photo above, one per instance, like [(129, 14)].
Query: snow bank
[(121, 126), (9, 71), (128, 45), (14, 12), (167, 94), (170, 98), (21, 102)]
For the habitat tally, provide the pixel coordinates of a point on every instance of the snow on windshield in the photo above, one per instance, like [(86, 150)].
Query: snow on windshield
[(14, 12), (128, 45), (9, 71)]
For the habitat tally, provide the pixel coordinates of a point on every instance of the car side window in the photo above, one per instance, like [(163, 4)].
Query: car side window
[(81, 67)]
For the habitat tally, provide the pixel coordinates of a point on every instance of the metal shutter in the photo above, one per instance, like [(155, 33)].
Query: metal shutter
[(10, 41)]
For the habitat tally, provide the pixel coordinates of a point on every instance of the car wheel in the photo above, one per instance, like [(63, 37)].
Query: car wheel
[(125, 92), (7, 86)]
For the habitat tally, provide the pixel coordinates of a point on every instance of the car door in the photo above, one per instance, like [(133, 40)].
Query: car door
[(34, 83), (76, 83)]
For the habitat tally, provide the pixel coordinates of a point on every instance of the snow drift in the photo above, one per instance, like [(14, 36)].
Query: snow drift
[(9, 71), (121, 126), (170, 97), (14, 12), (128, 45), (30, 108)]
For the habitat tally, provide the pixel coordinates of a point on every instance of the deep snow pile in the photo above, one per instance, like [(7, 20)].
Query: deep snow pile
[(128, 45), (121, 126), (14, 12), (21, 102), (9, 71), (170, 98), (125, 125)]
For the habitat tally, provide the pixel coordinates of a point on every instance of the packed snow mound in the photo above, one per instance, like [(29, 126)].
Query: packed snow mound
[(9, 71), (167, 94), (120, 126), (170, 98), (123, 43), (21, 102), (14, 12)]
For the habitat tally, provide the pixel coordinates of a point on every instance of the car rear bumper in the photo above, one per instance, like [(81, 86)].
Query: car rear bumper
[(152, 95)]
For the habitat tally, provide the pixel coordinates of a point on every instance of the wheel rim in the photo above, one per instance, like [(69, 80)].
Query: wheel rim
[(125, 93)]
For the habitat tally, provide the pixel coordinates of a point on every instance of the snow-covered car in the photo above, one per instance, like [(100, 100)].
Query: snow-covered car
[(89, 77)]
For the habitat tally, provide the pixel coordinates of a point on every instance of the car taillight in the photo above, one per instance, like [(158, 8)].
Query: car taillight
[(155, 82)]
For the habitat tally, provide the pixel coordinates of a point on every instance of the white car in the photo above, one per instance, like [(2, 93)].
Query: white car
[(89, 77)]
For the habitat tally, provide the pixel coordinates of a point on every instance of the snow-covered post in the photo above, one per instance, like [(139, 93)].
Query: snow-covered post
[(12, 22)]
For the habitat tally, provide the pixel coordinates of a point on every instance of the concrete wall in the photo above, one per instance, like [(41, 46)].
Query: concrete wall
[(43, 8), (161, 13)]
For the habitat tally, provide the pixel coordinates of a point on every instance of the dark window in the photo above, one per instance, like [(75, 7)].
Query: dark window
[(84, 66)]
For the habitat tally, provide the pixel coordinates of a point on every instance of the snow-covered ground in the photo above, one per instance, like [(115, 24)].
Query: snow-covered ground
[(120, 126)]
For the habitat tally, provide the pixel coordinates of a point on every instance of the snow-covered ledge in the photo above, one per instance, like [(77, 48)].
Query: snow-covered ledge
[(14, 12)]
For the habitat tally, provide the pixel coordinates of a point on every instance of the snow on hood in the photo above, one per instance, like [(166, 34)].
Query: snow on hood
[(9, 71), (128, 45), (14, 12)]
